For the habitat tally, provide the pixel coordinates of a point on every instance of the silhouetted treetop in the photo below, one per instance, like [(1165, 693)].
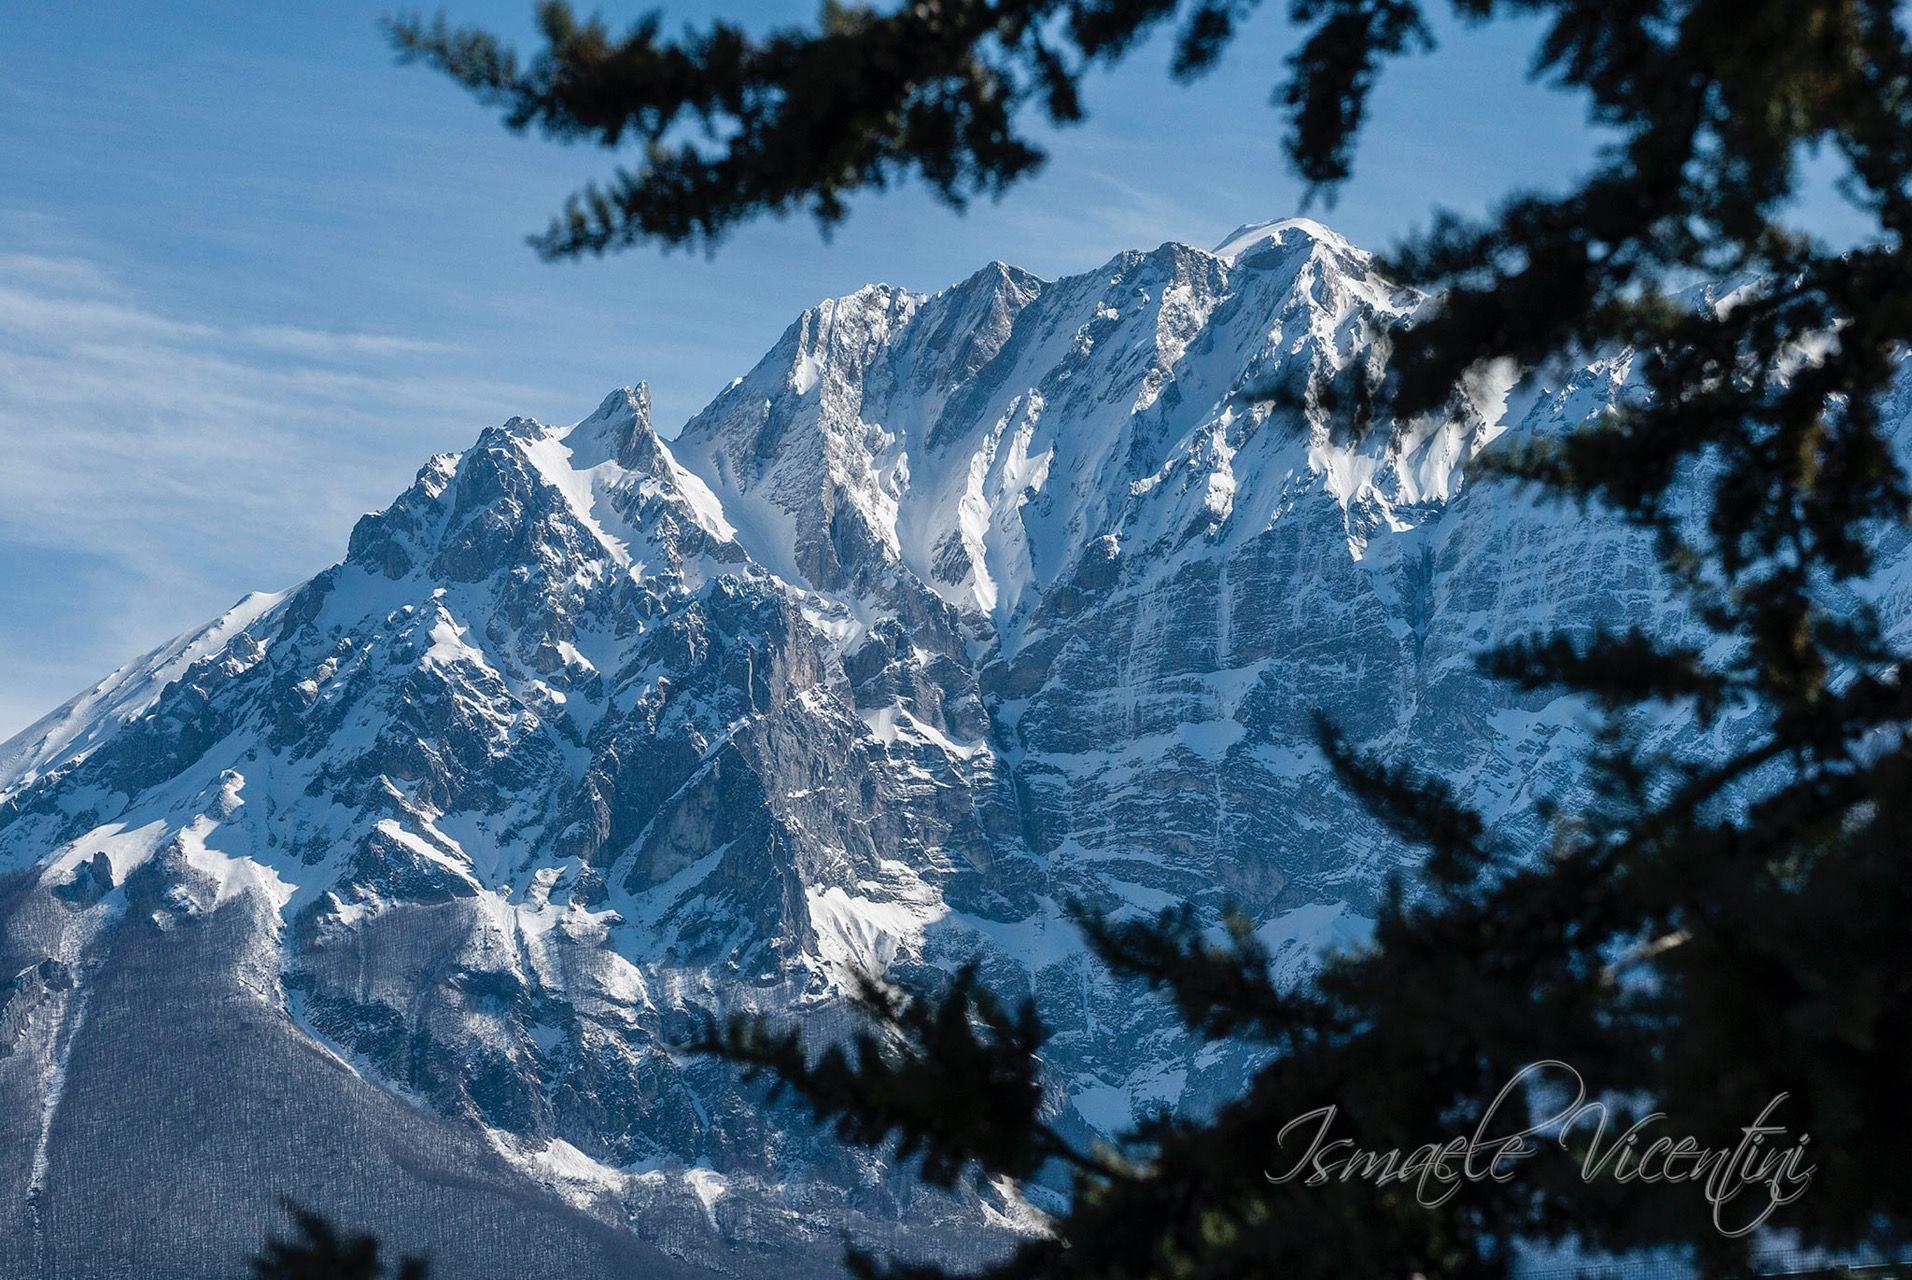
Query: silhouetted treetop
[(322, 1253)]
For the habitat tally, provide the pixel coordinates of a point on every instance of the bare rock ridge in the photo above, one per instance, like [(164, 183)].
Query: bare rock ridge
[(394, 891)]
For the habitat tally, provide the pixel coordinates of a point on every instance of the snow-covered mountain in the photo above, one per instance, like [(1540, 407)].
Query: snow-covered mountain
[(392, 892)]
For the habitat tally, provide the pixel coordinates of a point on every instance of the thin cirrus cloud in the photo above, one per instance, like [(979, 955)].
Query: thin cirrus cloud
[(151, 460), (72, 298)]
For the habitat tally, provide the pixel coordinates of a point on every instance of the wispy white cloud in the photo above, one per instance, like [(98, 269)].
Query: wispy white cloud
[(335, 343), (154, 467)]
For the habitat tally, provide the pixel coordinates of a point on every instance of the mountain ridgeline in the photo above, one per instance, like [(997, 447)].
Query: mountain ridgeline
[(396, 893)]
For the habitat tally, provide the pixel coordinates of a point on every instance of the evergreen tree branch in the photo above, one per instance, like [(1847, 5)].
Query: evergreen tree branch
[(954, 1079)]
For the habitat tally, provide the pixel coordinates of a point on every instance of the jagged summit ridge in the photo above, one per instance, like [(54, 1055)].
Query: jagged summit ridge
[(984, 437)]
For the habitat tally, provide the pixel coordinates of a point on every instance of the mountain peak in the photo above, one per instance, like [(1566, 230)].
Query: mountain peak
[(618, 430), (956, 607), (1281, 233)]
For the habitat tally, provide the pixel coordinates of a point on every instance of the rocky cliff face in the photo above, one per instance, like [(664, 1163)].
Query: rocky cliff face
[(393, 892)]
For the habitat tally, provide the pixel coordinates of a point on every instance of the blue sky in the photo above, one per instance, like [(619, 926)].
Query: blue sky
[(252, 274)]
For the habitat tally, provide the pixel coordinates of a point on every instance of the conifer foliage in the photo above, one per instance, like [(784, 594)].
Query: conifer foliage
[(1719, 917), (321, 1253)]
